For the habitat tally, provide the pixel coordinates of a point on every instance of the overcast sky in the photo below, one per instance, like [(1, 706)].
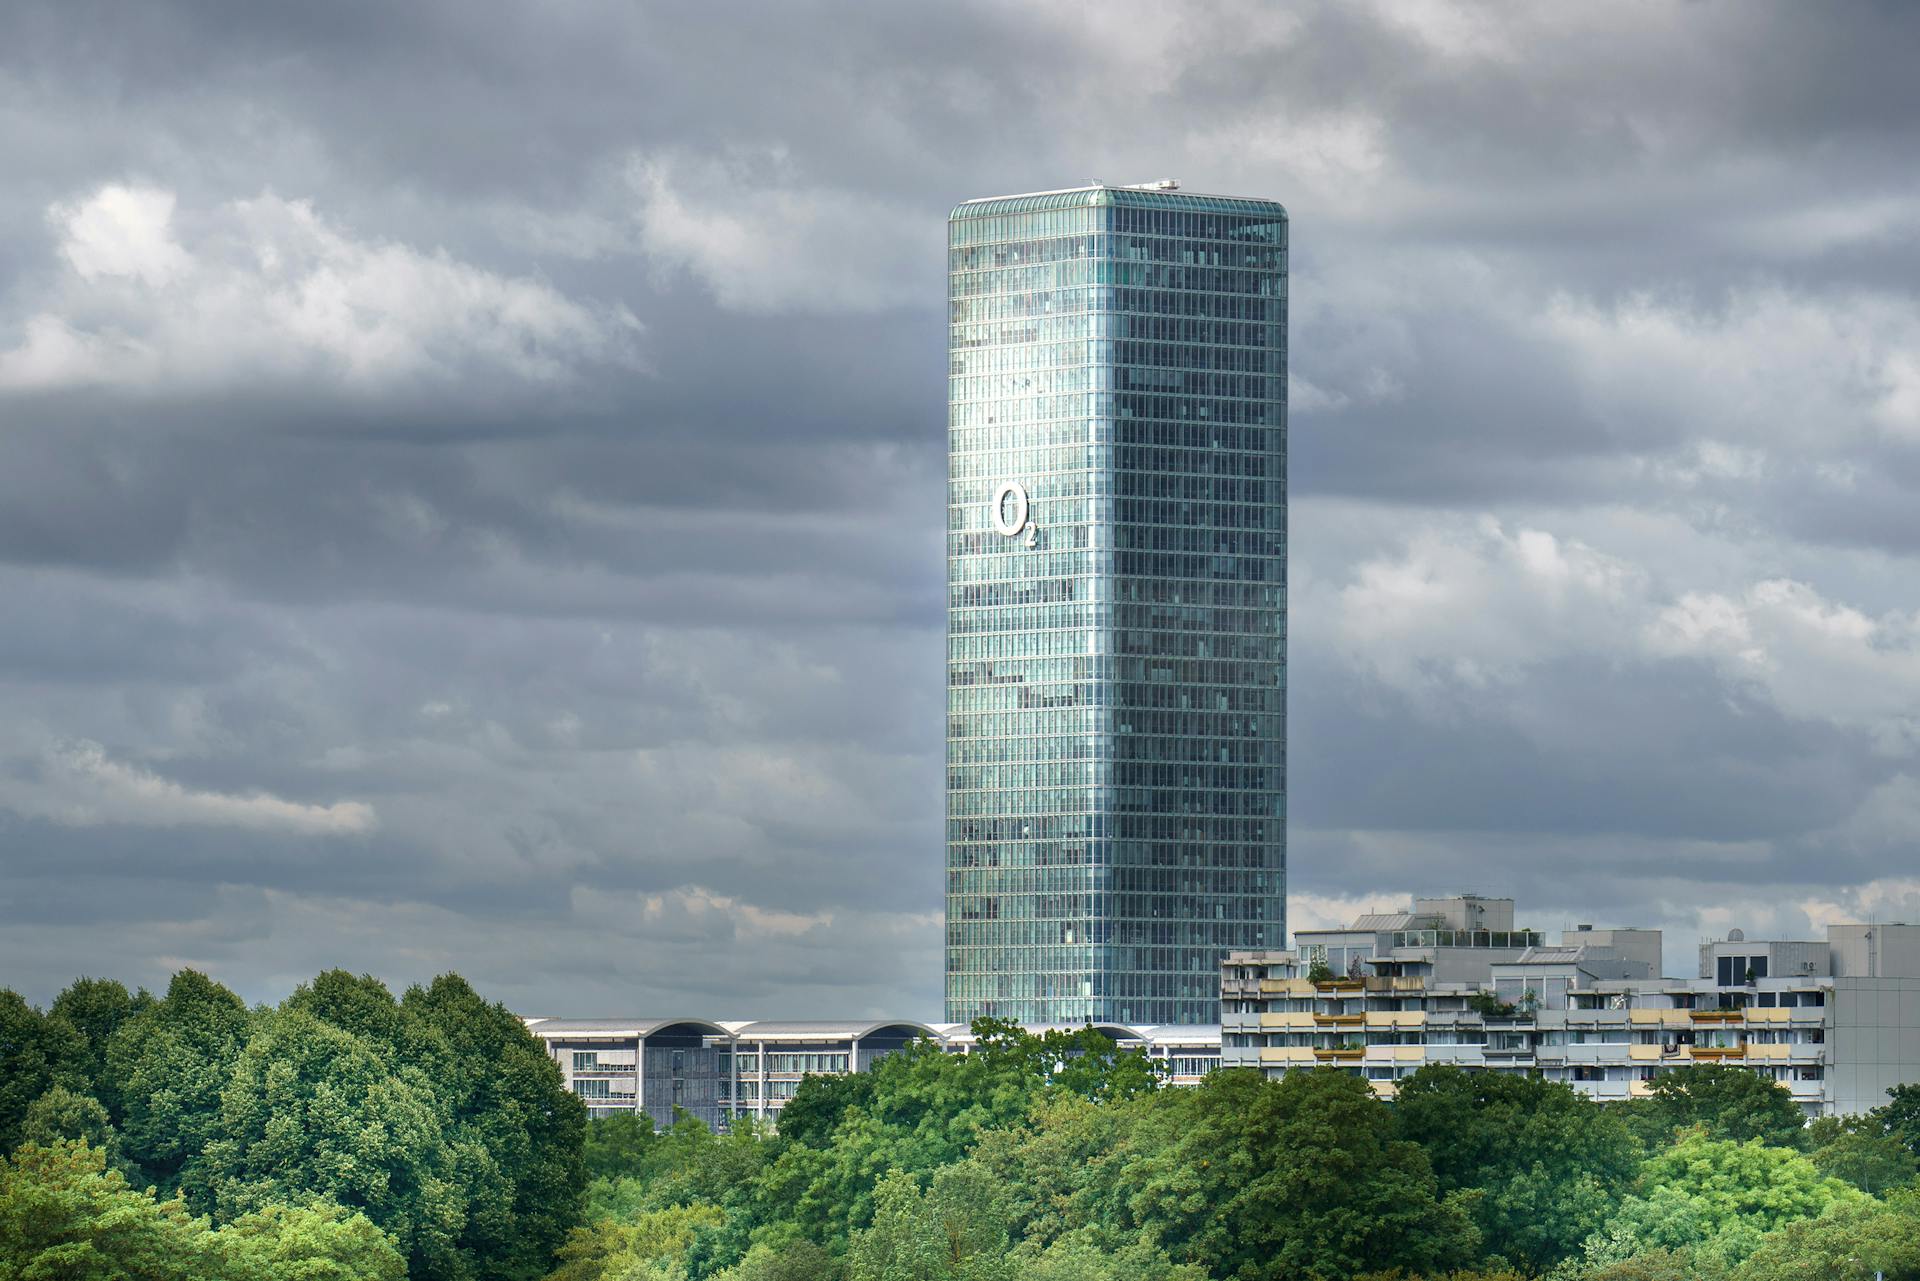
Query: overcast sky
[(471, 474)]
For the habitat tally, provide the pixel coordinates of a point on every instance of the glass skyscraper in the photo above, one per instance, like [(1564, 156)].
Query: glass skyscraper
[(1116, 612)]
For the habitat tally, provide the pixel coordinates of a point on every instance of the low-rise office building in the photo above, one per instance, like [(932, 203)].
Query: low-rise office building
[(1836, 1022), (718, 1070)]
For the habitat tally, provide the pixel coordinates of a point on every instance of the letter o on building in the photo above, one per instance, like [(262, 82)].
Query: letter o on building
[(1012, 527)]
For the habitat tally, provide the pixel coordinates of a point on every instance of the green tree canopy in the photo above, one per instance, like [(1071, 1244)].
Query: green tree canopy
[(1303, 1177), (97, 1008), (1734, 1103), (955, 1231), (1871, 1162), (507, 1110), (1716, 1198), (1548, 1164), (60, 1113), (166, 1067), (1900, 1116), (313, 1111), (64, 1216), (37, 1052), (1851, 1241), (810, 1117)]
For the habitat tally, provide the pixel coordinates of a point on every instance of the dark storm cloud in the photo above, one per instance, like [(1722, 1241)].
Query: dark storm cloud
[(473, 479)]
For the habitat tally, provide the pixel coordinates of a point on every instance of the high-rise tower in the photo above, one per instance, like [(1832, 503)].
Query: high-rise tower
[(1116, 611)]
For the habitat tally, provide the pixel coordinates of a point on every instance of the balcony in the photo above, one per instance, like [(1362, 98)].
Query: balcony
[(1341, 985), (1396, 983), (1716, 1016), (1340, 1054), (1714, 1053), (1338, 1020)]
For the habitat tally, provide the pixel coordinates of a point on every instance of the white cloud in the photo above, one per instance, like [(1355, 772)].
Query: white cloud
[(1476, 606), (1764, 366), (268, 288), (1466, 609), (122, 231), (82, 786), (1814, 659), (765, 238)]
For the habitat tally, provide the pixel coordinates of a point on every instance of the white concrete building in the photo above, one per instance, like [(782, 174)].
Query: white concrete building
[(719, 1070), (1836, 1022)]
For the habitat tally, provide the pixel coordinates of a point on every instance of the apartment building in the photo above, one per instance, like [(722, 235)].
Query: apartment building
[(1835, 1022), (719, 1070)]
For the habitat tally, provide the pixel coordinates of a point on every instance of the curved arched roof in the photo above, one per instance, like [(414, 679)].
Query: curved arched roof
[(786, 1029)]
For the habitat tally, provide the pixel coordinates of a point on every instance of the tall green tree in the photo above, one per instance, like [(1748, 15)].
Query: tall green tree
[(1852, 1241), (1716, 1198), (61, 1113), (65, 1216), (1733, 1103), (1872, 1162), (312, 1110), (955, 1231), (810, 1117), (166, 1067), (927, 1108), (621, 1145), (1548, 1164), (1301, 1179), (97, 1008), (790, 1261), (37, 1052), (505, 1100), (1900, 1116)]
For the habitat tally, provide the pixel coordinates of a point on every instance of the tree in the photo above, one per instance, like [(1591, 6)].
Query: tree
[(621, 1145), (1871, 1162), (97, 1008), (507, 1103), (1548, 1164), (1852, 1241), (64, 1215), (315, 1111), (927, 1108), (318, 1241), (955, 1231), (1900, 1116), (37, 1052), (1303, 1177), (792, 1261), (1733, 1103), (1077, 1259), (1717, 1198), (62, 1114), (610, 1251), (166, 1067), (1061, 1170), (817, 1107)]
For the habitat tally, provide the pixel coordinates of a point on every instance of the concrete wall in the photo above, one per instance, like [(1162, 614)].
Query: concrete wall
[(1638, 946), (1876, 951), (1874, 1034)]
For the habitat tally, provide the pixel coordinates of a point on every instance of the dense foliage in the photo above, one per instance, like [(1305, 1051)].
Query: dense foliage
[(429, 1136), (348, 1136)]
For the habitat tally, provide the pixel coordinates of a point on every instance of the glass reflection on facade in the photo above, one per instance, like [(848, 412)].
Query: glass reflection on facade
[(1116, 565)]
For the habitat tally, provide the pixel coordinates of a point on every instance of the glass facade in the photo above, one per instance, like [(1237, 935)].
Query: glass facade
[(1116, 615)]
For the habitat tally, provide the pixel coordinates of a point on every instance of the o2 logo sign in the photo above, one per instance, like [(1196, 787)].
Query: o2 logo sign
[(1009, 512)]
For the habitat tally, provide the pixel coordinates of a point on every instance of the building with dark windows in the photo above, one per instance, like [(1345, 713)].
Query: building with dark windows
[(720, 1072), (1836, 1023), (1117, 550)]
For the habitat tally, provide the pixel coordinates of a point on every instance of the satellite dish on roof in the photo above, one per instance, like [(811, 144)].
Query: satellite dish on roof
[(1736, 936)]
